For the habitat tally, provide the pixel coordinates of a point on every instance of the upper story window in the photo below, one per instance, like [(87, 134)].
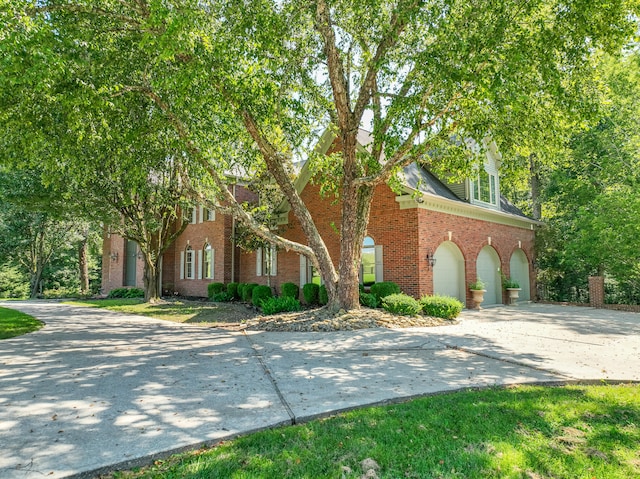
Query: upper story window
[(485, 188), (211, 215)]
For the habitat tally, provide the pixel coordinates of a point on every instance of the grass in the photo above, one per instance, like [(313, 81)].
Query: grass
[(177, 311), (14, 323), (522, 432)]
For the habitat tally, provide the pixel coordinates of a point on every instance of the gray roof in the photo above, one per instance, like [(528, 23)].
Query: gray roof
[(419, 178)]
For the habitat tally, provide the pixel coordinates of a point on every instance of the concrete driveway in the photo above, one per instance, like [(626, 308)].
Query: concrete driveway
[(94, 389)]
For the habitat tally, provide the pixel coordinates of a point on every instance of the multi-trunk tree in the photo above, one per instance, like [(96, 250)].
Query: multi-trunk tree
[(246, 86)]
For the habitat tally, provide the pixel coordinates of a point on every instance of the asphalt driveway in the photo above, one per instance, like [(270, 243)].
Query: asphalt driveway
[(94, 388)]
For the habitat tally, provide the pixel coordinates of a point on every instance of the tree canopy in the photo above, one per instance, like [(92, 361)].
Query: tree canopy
[(247, 86)]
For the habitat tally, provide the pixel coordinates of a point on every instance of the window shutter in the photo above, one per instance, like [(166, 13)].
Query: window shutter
[(201, 212), (274, 261), (213, 257), (379, 264), (199, 264), (181, 264), (259, 262), (303, 270)]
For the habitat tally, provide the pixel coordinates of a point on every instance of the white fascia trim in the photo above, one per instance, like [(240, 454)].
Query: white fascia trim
[(445, 205)]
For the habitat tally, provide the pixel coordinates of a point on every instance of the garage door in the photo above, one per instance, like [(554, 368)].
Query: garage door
[(519, 267), (448, 272), (488, 269)]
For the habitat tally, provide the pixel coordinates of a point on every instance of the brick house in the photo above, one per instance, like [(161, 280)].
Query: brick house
[(431, 237)]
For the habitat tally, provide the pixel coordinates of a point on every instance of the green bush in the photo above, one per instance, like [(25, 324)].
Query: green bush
[(259, 294), (444, 307), (290, 290), (13, 283), (279, 305), (232, 290), (126, 293), (310, 293), (247, 292), (380, 290), (401, 304), (215, 288), (221, 297), (240, 290), (323, 297), (368, 300)]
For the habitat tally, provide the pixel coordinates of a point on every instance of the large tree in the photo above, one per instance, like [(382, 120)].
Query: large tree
[(248, 84)]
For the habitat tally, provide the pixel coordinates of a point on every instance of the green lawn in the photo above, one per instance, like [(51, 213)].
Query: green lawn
[(14, 323), (523, 432), (177, 311)]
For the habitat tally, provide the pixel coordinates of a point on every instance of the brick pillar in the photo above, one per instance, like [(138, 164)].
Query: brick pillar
[(596, 291)]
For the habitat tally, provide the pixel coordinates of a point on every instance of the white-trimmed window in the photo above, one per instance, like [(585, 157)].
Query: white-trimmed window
[(267, 261), (207, 261), (371, 268), (191, 215), (211, 215), (485, 188), (189, 263)]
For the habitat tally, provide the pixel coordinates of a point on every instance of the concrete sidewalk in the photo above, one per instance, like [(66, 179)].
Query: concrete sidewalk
[(93, 388)]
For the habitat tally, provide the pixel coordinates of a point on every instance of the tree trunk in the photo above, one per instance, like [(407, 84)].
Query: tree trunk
[(83, 264), (151, 278), (36, 278), (535, 187)]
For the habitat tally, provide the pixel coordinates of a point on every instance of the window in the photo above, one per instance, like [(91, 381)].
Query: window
[(211, 215), (191, 215), (189, 263), (371, 268), (207, 261), (266, 261), (484, 188)]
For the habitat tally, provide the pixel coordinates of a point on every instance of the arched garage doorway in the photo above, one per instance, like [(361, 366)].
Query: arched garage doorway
[(519, 267), (488, 269), (448, 271)]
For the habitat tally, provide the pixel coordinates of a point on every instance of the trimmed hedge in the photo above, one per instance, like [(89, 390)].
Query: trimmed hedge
[(310, 293), (222, 297), (247, 292), (323, 297), (402, 304), (380, 290), (259, 294), (368, 300), (280, 305), (289, 290), (232, 290), (444, 307), (215, 288), (126, 293)]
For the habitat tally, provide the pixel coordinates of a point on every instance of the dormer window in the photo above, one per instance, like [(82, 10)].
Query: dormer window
[(485, 188)]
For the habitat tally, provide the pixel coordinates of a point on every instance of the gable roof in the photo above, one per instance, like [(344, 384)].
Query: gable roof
[(417, 179)]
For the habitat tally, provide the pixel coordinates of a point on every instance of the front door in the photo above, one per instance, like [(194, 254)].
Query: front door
[(130, 263)]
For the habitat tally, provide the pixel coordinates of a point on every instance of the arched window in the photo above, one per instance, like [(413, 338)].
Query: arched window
[(371, 264), (207, 261)]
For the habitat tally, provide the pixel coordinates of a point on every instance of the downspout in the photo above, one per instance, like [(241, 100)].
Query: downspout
[(233, 241)]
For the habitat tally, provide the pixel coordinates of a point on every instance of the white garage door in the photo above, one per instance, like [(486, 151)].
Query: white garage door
[(448, 272), (519, 267), (488, 269)]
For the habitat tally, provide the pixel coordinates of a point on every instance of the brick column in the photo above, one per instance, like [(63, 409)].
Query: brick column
[(596, 291)]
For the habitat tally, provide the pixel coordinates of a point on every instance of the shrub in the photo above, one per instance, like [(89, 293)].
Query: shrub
[(323, 297), (240, 290), (126, 293), (259, 294), (289, 290), (279, 305), (310, 293), (232, 290), (214, 288), (380, 290), (477, 285), (368, 300), (221, 297), (444, 307), (247, 292), (401, 304)]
